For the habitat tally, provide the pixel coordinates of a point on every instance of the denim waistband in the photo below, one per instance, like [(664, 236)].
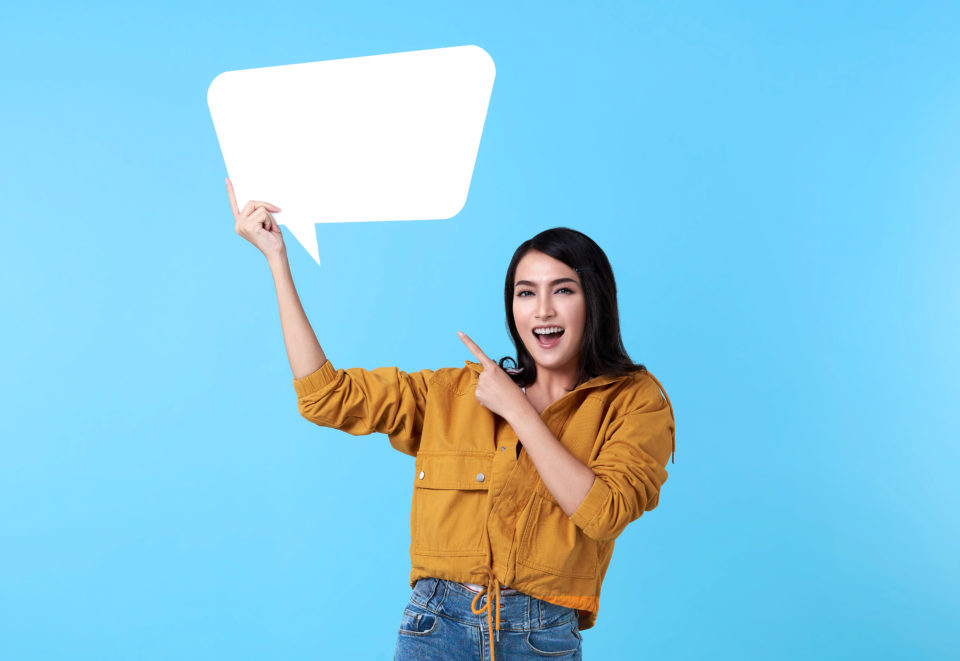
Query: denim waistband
[(518, 611)]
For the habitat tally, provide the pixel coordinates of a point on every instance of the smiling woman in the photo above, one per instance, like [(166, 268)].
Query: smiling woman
[(565, 269), (548, 312), (522, 478)]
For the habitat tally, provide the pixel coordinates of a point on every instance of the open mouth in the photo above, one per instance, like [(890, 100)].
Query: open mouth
[(548, 337)]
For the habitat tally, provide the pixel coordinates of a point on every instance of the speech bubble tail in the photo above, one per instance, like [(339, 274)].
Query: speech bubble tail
[(307, 236)]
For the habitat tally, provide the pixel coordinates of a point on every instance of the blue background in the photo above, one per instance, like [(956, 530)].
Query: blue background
[(776, 186)]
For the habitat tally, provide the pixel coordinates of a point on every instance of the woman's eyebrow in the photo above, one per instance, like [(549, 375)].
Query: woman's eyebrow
[(555, 282)]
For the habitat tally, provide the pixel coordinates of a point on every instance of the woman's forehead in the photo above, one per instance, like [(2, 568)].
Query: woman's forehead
[(540, 268)]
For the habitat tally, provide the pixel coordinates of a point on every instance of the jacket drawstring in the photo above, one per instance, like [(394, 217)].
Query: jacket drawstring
[(492, 588), (673, 448)]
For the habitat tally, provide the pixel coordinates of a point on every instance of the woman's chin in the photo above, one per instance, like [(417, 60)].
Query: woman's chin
[(551, 358)]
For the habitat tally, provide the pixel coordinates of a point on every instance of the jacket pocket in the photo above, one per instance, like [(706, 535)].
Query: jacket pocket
[(551, 543), (451, 502)]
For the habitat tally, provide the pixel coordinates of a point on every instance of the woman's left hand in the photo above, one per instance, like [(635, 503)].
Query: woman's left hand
[(495, 389)]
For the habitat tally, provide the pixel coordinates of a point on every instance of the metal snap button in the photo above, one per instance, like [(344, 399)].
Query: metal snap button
[(420, 475), (479, 477), (503, 447)]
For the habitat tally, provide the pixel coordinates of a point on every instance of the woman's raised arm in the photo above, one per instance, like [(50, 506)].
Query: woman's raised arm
[(255, 223), (303, 349)]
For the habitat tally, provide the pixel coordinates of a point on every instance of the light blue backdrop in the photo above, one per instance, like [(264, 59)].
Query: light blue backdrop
[(776, 186)]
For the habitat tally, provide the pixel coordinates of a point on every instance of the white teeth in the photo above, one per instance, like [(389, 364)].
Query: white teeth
[(544, 331)]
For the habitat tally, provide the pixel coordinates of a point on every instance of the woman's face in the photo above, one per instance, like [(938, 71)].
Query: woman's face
[(547, 294)]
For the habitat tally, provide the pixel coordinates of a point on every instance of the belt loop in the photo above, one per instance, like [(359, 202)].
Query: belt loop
[(433, 591), (442, 597)]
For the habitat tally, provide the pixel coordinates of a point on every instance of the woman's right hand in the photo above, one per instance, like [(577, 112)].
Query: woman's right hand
[(257, 225)]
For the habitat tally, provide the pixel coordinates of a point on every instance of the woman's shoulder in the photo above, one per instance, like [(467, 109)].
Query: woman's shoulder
[(457, 377), (641, 391)]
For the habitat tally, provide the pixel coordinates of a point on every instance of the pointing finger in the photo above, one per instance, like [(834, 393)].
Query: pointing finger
[(474, 349), (233, 199), (249, 206)]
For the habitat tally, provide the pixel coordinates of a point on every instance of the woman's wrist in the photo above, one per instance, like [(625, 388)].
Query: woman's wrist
[(278, 261)]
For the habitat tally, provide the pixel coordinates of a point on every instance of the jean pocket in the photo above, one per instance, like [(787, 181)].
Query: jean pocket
[(417, 621), (560, 640)]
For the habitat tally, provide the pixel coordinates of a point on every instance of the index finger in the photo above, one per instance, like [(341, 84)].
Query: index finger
[(233, 199), (474, 349)]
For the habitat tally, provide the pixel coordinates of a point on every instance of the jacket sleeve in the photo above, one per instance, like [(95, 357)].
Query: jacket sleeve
[(358, 401), (630, 469)]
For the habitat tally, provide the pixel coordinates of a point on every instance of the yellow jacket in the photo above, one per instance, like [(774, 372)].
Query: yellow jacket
[(479, 506)]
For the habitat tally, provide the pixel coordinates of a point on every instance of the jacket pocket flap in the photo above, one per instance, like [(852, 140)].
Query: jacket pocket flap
[(453, 470)]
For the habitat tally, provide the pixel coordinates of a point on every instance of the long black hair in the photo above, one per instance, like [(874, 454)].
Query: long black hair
[(601, 348)]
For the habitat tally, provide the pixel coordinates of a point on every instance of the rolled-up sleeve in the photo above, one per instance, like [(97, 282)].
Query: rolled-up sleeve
[(630, 469), (358, 401)]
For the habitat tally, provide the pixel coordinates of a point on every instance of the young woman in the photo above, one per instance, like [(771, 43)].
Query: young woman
[(523, 477)]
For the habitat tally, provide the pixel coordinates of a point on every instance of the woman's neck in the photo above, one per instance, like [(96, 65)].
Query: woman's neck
[(550, 386)]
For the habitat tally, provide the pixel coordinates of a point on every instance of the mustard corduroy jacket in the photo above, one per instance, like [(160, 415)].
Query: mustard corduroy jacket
[(479, 507)]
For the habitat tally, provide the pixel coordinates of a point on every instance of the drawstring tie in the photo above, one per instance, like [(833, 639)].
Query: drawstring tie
[(492, 587)]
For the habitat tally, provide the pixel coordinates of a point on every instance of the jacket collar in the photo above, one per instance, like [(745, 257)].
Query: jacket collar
[(595, 382)]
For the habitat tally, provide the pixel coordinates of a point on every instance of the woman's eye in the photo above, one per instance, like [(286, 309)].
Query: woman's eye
[(562, 289)]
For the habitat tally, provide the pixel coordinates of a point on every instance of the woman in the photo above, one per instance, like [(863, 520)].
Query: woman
[(522, 478)]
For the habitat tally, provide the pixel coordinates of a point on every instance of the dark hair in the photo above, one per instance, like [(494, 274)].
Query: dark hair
[(601, 349)]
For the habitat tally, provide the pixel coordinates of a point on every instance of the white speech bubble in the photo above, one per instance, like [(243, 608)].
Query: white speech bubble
[(382, 137)]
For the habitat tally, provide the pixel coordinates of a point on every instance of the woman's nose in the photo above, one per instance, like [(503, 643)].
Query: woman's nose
[(544, 308)]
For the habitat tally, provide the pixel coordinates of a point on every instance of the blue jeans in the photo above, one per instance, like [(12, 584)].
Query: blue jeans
[(439, 625)]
